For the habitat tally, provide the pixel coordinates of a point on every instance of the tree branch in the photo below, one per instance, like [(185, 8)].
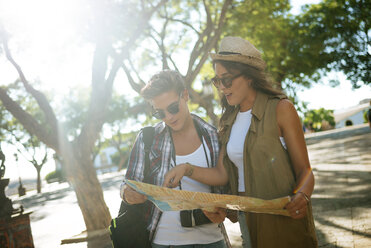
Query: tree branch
[(39, 97), (209, 44), (136, 86), (28, 121), (102, 88)]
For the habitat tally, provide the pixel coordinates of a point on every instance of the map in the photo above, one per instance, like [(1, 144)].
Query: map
[(167, 199)]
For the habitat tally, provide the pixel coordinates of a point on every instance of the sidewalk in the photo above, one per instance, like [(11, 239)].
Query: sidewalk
[(341, 162)]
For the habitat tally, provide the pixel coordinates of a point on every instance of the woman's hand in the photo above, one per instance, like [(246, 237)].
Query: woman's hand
[(297, 207), (173, 176), (218, 216), (133, 197)]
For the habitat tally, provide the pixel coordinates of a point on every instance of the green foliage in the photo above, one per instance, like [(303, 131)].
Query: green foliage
[(367, 116), (74, 110), (333, 34), (319, 119), (123, 143), (55, 176), (12, 130), (344, 28)]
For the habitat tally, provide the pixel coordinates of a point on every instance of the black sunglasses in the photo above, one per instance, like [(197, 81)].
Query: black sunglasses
[(227, 81), (172, 109)]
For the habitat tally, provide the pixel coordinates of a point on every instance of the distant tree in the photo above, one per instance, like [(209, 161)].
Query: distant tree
[(299, 50), (122, 144), (37, 154), (319, 119), (344, 28), (16, 135)]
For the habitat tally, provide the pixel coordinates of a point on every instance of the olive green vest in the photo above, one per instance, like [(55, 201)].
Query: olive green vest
[(268, 175)]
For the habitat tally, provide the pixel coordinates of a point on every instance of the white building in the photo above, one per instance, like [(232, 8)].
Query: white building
[(103, 162), (353, 115)]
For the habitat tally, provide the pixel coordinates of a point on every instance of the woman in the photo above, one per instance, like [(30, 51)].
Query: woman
[(263, 150)]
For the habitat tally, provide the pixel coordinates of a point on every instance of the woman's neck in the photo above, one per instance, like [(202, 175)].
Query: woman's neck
[(248, 101)]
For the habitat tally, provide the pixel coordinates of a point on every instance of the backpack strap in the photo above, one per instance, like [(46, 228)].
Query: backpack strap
[(148, 136)]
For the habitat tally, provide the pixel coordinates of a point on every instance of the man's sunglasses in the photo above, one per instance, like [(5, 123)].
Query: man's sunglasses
[(172, 109), (227, 81)]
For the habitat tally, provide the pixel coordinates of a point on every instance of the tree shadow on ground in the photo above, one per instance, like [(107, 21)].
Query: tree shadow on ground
[(42, 198), (339, 192), (338, 135), (346, 189), (341, 150)]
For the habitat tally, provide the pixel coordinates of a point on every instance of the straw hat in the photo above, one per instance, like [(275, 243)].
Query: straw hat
[(239, 50)]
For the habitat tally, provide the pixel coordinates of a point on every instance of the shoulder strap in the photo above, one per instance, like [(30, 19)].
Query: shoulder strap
[(198, 130), (148, 135)]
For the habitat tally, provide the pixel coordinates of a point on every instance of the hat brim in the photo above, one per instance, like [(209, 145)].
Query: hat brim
[(249, 60)]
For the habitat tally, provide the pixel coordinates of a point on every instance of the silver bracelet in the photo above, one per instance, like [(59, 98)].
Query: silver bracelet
[(305, 196)]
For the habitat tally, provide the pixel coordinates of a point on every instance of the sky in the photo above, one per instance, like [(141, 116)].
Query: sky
[(44, 42)]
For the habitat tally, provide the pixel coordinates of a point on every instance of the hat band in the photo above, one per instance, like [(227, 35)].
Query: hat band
[(228, 53)]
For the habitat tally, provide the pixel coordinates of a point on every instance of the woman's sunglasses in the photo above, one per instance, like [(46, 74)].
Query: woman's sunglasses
[(227, 81), (172, 109)]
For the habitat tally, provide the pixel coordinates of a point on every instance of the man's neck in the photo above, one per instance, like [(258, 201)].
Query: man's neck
[(187, 128)]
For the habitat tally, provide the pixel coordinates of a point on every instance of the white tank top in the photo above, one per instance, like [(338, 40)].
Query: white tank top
[(169, 230), (236, 144)]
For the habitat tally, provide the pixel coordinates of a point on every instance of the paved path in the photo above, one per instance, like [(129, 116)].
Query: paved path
[(341, 162)]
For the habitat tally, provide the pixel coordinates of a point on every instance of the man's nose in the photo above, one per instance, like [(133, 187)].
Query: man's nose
[(168, 115)]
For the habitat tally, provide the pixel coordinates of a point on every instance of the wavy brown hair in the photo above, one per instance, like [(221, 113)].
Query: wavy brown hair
[(162, 82), (259, 82)]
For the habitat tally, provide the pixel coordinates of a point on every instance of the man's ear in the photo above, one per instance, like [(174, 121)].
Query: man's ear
[(185, 95)]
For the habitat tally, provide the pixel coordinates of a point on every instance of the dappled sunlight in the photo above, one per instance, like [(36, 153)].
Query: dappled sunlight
[(341, 197), (341, 148)]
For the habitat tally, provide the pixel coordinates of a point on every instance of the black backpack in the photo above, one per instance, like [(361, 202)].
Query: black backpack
[(129, 228)]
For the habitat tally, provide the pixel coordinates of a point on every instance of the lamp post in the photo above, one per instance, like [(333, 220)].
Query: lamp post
[(15, 228), (21, 189)]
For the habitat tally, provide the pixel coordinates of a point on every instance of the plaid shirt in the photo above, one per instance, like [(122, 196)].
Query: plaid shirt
[(162, 157)]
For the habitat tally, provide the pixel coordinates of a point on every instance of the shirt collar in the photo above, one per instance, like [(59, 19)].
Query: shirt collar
[(257, 109), (259, 105)]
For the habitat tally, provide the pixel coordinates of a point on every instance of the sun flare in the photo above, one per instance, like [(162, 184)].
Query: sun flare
[(43, 40)]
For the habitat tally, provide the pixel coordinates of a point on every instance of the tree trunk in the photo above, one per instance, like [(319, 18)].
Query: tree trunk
[(38, 180), (82, 177)]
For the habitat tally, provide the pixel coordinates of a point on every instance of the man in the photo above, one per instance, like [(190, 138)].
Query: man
[(181, 137)]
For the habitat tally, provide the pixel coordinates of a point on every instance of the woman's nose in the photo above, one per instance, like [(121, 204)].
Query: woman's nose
[(221, 87)]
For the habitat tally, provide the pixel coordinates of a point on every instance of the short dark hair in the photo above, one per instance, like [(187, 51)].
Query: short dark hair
[(162, 82)]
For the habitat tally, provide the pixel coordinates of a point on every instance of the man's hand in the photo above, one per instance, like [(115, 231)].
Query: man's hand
[(216, 217), (133, 197)]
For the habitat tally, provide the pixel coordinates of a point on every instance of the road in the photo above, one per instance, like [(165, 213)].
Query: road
[(341, 162)]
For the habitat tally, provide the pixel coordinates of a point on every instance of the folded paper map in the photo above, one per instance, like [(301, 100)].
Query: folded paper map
[(167, 199)]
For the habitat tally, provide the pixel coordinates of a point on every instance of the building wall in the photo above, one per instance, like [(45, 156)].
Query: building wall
[(103, 161), (356, 119)]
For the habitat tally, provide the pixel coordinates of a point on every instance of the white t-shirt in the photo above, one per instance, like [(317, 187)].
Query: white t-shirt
[(169, 230), (236, 144)]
